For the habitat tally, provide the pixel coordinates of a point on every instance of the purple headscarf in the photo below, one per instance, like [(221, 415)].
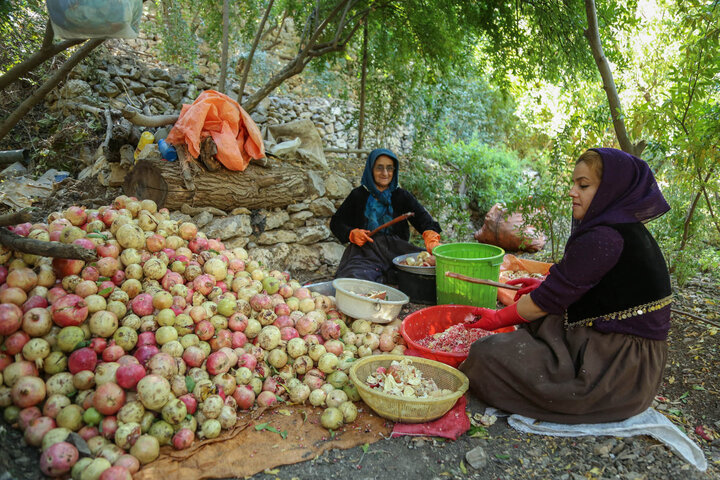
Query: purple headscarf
[(628, 193)]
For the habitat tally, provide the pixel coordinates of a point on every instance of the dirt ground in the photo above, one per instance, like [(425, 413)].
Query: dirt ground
[(689, 396)]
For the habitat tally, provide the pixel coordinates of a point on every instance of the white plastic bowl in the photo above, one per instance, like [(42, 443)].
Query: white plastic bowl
[(351, 300)]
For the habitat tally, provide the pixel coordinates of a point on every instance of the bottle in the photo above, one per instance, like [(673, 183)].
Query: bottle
[(145, 139), (167, 151)]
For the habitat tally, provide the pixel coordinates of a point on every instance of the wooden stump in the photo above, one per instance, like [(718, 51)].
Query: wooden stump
[(171, 184)]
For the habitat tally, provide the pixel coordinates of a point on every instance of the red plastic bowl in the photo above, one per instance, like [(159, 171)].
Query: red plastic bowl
[(436, 319)]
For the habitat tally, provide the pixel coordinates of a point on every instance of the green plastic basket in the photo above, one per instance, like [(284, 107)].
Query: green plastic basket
[(473, 260)]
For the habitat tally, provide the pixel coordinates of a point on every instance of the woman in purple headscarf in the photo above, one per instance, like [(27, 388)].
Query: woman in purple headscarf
[(591, 346)]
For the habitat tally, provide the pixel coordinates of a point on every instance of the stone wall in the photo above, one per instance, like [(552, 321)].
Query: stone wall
[(296, 238)]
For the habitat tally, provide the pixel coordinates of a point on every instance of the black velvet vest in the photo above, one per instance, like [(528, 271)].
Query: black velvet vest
[(638, 283)]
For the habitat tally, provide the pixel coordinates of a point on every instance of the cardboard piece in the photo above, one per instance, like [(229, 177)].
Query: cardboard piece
[(251, 447)]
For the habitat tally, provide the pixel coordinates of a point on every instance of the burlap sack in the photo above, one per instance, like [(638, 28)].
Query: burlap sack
[(507, 232)]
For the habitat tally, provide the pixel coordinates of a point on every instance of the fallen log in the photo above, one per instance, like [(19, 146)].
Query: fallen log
[(167, 184), (46, 249), (15, 217)]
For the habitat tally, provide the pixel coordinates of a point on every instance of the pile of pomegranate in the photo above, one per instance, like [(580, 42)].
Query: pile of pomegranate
[(160, 341)]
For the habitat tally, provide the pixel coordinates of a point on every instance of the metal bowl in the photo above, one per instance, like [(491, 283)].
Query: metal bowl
[(351, 300), (430, 271)]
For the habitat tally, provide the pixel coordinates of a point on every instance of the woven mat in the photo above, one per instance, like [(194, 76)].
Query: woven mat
[(253, 445)]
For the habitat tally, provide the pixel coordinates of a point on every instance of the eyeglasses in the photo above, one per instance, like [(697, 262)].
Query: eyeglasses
[(388, 168)]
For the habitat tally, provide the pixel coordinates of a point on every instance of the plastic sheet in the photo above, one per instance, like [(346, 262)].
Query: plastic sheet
[(95, 18)]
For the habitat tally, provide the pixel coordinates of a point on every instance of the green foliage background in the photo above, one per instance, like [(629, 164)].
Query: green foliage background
[(501, 97)]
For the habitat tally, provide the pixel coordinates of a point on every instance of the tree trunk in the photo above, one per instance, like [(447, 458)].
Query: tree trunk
[(251, 54), (224, 54), (363, 79), (170, 186), (49, 84), (592, 33), (691, 211), (46, 51)]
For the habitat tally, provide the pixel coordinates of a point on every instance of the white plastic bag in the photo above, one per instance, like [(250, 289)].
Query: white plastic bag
[(95, 18)]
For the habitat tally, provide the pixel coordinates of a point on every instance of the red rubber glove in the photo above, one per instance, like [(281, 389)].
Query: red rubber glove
[(359, 237), (493, 319), (528, 285), (432, 239)]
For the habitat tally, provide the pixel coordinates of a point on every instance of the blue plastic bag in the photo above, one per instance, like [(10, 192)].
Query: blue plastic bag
[(95, 18)]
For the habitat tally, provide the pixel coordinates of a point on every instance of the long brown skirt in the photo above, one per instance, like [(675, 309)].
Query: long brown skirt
[(580, 375)]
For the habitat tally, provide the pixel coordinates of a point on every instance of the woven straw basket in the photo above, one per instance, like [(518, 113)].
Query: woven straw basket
[(404, 409)]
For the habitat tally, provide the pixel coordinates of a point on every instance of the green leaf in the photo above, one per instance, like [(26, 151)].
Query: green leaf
[(105, 291), (462, 467), (502, 456), (365, 447), (698, 387), (270, 428), (83, 344), (189, 383), (332, 434), (478, 431)]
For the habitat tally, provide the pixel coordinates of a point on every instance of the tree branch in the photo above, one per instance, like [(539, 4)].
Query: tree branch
[(49, 84), (251, 54), (224, 53), (15, 218), (592, 33), (46, 51), (45, 249)]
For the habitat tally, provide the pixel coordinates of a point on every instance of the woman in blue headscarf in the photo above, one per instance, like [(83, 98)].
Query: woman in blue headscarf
[(378, 200)]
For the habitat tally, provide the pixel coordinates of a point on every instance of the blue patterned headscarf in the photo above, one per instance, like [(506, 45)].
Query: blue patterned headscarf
[(378, 209)]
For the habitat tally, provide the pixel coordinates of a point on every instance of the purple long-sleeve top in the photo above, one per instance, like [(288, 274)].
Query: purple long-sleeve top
[(586, 260)]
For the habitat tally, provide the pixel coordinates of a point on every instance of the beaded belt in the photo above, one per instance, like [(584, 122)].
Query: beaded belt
[(622, 314)]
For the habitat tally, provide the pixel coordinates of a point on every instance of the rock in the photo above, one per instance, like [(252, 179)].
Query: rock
[(302, 257), (298, 219), (236, 242), (136, 87), (75, 88), (159, 92), (337, 187), (150, 152), (187, 209), (240, 211), (316, 184), (202, 219), (180, 217), (322, 207), (277, 236), (331, 252), (310, 235), (175, 95), (160, 74), (108, 89), (297, 207), (228, 227), (275, 219), (477, 458)]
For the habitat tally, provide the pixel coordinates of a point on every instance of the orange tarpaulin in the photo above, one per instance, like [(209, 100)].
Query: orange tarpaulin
[(214, 114)]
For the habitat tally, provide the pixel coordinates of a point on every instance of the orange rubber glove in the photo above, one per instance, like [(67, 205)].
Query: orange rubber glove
[(359, 237), (493, 319), (432, 240)]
